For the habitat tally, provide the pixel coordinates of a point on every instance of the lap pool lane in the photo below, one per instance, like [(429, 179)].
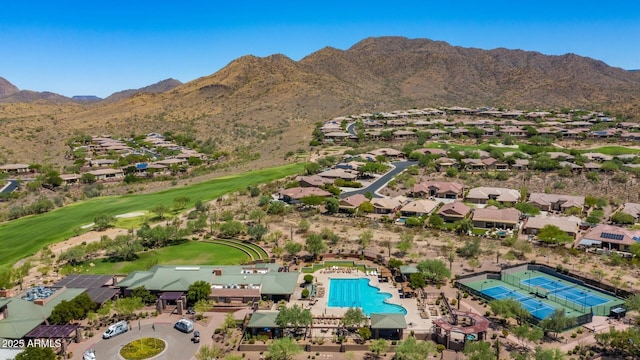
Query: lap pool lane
[(179, 344)]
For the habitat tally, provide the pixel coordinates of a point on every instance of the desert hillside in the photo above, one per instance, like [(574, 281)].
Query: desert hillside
[(269, 105)]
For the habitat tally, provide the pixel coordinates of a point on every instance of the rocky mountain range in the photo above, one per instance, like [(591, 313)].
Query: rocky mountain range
[(270, 104)]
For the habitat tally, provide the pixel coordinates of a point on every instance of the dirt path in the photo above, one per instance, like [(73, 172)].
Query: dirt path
[(89, 237)]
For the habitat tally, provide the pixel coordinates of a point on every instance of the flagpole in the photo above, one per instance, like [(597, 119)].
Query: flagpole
[(140, 334), (153, 326)]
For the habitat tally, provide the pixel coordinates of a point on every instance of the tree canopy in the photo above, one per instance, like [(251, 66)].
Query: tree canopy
[(412, 349), (198, 290), (557, 322), (315, 245), (551, 234), (36, 353), (509, 308), (434, 271), (283, 349), (354, 317), (294, 317)]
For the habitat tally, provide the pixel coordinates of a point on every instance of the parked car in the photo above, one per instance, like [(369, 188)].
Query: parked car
[(196, 337), (89, 355), (184, 325), (116, 329)]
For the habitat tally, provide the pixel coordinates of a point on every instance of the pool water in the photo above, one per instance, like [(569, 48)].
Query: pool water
[(349, 293)]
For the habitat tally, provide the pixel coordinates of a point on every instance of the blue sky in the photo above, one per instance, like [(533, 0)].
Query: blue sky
[(100, 47)]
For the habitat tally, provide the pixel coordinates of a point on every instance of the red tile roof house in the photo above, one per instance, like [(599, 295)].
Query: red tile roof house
[(493, 217), (419, 208), (439, 189), (480, 195), (568, 224), (454, 211), (294, 195), (610, 237), (351, 203), (555, 202)]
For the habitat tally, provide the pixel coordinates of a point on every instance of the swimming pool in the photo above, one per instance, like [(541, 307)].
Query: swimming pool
[(359, 293)]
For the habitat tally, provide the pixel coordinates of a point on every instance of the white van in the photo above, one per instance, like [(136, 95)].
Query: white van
[(116, 329), (184, 325)]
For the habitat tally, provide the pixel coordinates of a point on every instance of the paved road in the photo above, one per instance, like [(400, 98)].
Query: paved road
[(11, 185), (351, 129), (399, 166), (179, 345)]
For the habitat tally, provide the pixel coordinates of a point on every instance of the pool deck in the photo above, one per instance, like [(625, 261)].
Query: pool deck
[(321, 308)]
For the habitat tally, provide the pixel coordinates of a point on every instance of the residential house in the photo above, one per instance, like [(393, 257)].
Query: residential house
[(343, 174), (172, 162), (387, 152), (480, 195), (107, 174), (598, 157), (388, 205), (433, 151), (419, 207), (473, 164), (313, 181), (610, 237), (632, 209), (568, 224), (338, 137), (404, 135), (349, 204), (70, 179), (492, 217), (439, 189), (445, 163), (101, 163), (555, 202), (15, 168), (296, 194), (454, 211), (521, 164), (560, 156)]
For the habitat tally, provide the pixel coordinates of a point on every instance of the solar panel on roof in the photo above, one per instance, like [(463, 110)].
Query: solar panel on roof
[(606, 235)]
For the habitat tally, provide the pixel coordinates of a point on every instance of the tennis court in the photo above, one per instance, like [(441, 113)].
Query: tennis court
[(536, 307), (566, 290), (542, 292)]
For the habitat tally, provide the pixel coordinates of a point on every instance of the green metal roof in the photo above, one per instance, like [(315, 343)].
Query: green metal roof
[(409, 269), (168, 278), (24, 316), (178, 278), (263, 319), (388, 321)]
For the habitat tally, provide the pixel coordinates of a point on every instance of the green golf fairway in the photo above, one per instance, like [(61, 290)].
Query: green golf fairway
[(26, 236)]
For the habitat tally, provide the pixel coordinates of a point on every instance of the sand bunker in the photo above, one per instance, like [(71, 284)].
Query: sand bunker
[(131, 214)]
